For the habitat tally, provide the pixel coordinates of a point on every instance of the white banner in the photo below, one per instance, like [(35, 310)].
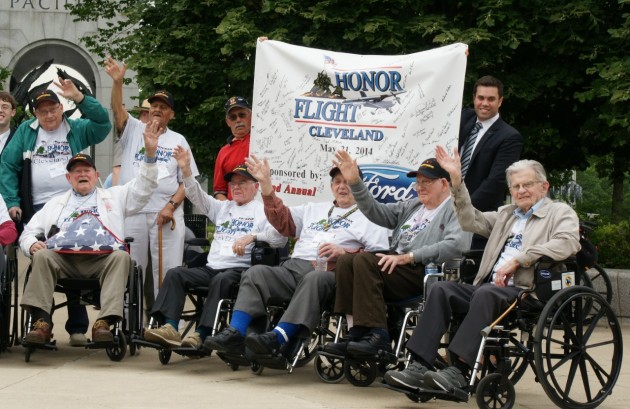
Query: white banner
[(388, 112)]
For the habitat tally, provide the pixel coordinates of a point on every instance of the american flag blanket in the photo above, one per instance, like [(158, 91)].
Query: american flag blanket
[(85, 235)]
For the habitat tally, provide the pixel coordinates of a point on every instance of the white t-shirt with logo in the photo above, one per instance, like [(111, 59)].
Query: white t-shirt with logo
[(350, 231), (233, 222), (169, 174), (48, 164), (3, 139), (76, 206)]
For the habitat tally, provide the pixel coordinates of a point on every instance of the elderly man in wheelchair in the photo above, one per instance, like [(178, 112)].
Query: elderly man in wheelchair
[(518, 234), (72, 214)]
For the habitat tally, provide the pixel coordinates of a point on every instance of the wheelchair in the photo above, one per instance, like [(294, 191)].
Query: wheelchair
[(299, 351), (261, 253), (296, 353), (124, 331), (555, 336), (194, 256), (402, 317), (8, 297)]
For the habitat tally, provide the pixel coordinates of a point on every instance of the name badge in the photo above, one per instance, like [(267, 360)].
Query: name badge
[(322, 237), (226, 249), (57, 169), (162, 172)]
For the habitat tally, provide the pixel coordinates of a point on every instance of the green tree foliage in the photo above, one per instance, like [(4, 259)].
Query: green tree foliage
[(613, 244), (596, 195), (563, 63)]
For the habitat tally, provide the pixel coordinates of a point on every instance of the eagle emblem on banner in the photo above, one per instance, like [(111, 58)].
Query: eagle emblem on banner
[(85, 235)]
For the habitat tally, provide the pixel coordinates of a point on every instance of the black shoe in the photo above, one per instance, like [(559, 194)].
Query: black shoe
[(228, 340), (337, 348), (369, 345), (263, 344)]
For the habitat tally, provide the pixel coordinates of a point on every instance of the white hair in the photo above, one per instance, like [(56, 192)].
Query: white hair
[(525, 164)]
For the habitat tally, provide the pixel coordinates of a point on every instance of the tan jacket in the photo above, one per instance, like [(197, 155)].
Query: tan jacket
[(553, 231)]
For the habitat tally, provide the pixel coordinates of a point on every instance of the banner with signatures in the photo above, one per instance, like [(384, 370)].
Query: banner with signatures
[(388, 112)]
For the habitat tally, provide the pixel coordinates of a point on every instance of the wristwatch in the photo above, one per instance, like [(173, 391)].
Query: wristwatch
[(172, 203)]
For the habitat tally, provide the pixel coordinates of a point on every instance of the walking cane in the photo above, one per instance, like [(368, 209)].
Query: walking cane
[(486, 331), (173, 224)]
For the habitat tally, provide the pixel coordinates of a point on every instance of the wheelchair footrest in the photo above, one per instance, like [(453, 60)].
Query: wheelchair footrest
[(142, 342), (425, 394), (190, 352), (271, 361), (100, 345), (50, 346), (233, 358)]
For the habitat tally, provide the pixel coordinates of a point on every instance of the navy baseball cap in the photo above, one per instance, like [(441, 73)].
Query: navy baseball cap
[(240, 170), (80, 157), (234, 102), (163, 96), (44, 95), (430, 168)]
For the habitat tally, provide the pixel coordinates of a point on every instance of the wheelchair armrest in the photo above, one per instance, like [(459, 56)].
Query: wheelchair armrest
[(451, 269), (547, 259), (474, 254), (198, 241), (129, 240), (263, 253)]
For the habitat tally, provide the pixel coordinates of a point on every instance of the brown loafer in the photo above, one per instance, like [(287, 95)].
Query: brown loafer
[(40, 334), (101, 332)]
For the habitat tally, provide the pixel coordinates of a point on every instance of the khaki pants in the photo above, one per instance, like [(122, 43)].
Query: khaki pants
[(112, 271)]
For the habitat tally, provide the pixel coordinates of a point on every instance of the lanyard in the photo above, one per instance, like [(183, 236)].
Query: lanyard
[(328, 225)]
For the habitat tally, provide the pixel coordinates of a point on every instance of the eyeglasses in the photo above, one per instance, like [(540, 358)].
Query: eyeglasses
[(423, 183), (46, 112), (242, 115), (526, 186), (81, 170), (6, 107), (240, 184)]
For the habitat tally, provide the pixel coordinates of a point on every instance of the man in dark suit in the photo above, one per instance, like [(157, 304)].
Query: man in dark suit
[(487, 153)]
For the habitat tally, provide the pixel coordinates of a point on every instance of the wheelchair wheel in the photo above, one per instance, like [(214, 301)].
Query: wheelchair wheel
[(597, 278), (27, 354), (256, 368), (133, 348), (360, 373), (233, 367), (494, 391), (566, 336), (329, 370), (164, 356), (117, 352)]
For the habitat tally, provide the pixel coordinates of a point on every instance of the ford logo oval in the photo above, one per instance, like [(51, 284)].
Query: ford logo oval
[(544, 274), (388, 183)]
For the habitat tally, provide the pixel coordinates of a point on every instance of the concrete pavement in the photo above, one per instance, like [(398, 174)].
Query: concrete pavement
[(79, 378)]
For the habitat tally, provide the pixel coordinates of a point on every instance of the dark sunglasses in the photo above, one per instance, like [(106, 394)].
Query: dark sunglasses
[(242, 115)]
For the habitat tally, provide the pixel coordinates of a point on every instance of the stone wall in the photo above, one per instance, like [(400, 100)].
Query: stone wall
[(33, 31), (620, 280)]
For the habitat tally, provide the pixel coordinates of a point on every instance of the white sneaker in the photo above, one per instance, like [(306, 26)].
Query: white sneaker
[(78, 340)]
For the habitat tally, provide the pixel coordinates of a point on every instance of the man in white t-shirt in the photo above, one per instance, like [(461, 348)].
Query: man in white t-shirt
[(239, 222), (164, 207), (41, 147), (102, 260)]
